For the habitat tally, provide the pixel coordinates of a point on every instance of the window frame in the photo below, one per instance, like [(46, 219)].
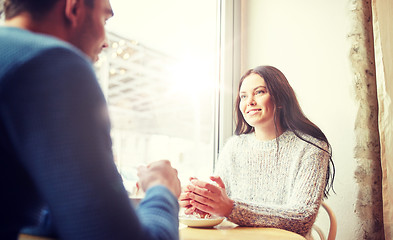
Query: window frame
[(228, 71)]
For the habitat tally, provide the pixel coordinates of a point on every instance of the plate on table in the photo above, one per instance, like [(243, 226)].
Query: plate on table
[(193, 221)]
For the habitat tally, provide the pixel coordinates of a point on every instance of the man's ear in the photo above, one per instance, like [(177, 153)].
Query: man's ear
[(72, 11)]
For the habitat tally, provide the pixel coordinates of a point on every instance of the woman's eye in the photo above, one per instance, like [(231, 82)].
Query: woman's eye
[(261, 91), (242, 96)]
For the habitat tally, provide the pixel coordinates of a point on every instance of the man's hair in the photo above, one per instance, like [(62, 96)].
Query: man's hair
[(37, 8)]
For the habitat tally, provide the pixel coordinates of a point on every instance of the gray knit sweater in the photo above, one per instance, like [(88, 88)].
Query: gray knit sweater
[(271, 188)]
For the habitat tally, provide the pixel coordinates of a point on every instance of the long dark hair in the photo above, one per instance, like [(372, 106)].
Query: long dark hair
[(287, 109)]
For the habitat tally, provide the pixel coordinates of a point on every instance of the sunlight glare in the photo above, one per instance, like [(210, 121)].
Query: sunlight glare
[(192, 73)]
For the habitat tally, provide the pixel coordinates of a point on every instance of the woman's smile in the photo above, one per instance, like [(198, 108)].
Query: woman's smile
[(253, 111)]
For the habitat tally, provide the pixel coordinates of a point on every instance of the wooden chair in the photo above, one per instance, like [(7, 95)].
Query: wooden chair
[(333, 224)]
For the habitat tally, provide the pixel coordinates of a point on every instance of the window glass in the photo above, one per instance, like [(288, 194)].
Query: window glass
[(159, 76)]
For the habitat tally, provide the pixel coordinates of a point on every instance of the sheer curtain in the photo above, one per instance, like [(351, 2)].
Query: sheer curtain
[(383, 42)]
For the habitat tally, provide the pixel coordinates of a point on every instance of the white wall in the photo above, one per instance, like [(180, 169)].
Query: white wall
[(307, 41)]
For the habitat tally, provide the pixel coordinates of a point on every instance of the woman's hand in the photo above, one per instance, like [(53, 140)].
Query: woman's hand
[(184, 202), (207, 197)]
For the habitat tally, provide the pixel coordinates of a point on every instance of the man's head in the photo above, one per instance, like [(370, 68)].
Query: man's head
[(37, 9), (79, 22), (89, 25)]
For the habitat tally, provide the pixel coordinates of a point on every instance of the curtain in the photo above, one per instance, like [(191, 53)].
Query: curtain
[(383, 44)]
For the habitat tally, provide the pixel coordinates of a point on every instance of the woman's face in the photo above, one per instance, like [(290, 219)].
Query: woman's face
[(256, 104)]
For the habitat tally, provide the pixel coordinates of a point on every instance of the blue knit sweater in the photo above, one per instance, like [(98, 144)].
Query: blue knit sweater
[(55, 150)]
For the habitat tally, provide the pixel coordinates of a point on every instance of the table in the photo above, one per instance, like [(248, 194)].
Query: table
[(224, 231), (230, 231)]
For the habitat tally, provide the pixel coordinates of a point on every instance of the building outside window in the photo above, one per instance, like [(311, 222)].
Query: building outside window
[(161, 78)]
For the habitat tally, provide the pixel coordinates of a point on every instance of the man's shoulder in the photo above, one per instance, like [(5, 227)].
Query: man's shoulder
[(20, 46), (16, 38)]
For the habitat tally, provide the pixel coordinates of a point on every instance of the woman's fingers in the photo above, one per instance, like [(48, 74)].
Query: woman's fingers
[(184, 200), (200, 203), (200, 199), (218, 180), (203, 185), (185, 204), (200, 191), (202, 207), (189, 211), (192, 178), (207, 197), (183, 196)]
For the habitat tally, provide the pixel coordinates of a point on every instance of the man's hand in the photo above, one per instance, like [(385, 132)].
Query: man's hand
[(159, 173)]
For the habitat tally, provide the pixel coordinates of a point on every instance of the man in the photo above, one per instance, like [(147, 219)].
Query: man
[(55, 147)]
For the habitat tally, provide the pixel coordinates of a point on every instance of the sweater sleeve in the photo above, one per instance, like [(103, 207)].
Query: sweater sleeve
[(158, 213), (59, 126), (300, 208)]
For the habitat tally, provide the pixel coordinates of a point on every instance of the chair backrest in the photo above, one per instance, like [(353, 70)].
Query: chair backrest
[(333, 224)]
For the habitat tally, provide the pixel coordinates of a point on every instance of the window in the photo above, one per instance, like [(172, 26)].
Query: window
[(160, 76)]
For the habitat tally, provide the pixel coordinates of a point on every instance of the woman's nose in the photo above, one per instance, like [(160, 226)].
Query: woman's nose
[(251, 101)]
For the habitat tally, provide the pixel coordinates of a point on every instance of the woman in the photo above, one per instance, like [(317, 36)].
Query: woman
[(275, 171)]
